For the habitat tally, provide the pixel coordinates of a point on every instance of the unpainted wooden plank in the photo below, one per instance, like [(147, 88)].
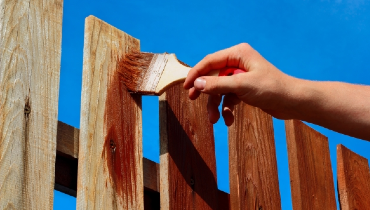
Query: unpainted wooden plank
[(353, 179), (254, 180), (30, 54), (310, 169), (187, 152), (110, 170)]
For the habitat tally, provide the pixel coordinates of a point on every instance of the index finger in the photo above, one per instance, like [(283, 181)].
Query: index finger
[(213, 61)]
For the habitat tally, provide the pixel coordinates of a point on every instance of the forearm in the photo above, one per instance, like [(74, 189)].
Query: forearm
[(338, 106)]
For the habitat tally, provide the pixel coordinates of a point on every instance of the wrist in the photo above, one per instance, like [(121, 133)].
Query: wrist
[(304, 96)]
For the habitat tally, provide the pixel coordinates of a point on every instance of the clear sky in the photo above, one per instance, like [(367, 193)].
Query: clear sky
[(316, 40)]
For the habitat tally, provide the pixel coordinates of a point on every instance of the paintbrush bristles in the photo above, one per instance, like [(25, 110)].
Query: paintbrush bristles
[(132, 67)]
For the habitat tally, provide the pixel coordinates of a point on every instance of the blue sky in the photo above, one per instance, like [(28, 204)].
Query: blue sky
[(316, 40)]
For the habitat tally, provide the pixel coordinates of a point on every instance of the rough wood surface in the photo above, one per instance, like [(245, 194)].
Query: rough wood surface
[(66, 171), (254, 180), (353, 180), (187, 153), (310, 169), (30, 53), (67, 139), (110, 170)]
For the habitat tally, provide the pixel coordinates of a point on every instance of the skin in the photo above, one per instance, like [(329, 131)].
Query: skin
[(338, 106)]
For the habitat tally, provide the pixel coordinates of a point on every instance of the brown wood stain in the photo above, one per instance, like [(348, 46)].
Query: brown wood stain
[(353, 179), (309, 165), (253, 168), (121, 132), (190, 142)]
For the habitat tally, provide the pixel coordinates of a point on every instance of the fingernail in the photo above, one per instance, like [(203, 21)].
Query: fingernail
[(200, 84)]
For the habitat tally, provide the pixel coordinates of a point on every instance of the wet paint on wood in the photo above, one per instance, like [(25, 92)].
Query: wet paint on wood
[(310, 169), (30, 54), (353, 180), (110, 170), (187, 153), (254, 180)]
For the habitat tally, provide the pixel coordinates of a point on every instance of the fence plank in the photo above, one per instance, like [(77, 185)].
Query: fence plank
[(187, 153), (67, 139), (353, 179), (110, 170), (310, 169), (66, 171), (30, 53), (254, 180)]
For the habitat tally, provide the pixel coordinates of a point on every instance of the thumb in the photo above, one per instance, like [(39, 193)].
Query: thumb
[(216, 84)]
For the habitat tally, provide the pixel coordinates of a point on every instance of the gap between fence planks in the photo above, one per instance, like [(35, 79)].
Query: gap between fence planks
[(254, 180), (310, 169), (30, 54), (353, 180), (110, 149)]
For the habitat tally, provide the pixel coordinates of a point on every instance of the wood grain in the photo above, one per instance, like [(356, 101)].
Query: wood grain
[(254, 180), (187, 153), (110, 170), (67, 139), (310, 169), (66, 171), (353, 179), (30, 54)]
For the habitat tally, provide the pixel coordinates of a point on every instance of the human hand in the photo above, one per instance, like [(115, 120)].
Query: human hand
[(263, 85)]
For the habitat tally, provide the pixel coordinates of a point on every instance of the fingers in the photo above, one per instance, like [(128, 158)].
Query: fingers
[(230, 100), (218, 85), (212, 107), (193, 93), (228, 105), (230, 57)]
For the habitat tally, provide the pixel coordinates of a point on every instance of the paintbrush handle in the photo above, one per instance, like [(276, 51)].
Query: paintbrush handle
[(227, 71)]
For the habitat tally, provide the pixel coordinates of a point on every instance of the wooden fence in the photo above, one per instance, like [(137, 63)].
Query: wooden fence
[(102, 163)]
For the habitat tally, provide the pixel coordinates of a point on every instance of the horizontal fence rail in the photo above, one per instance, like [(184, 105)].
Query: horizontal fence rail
[(102, 163)]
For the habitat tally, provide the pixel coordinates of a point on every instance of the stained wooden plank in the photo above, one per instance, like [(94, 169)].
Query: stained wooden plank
[(67, 139), (187, 153), (66, 171), (110, 170), (66, 174), (310, 169), (30, 53), (223, 200), (254, 180), (353, 179)]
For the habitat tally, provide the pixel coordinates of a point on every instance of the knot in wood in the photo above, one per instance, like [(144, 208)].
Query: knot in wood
[(192, 182), (27, 109), (112, 146)]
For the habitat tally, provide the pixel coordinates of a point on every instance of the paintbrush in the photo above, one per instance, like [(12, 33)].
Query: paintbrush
[(152, 74)]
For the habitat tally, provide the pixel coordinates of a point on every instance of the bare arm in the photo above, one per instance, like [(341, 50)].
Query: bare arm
[(341, 107)]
